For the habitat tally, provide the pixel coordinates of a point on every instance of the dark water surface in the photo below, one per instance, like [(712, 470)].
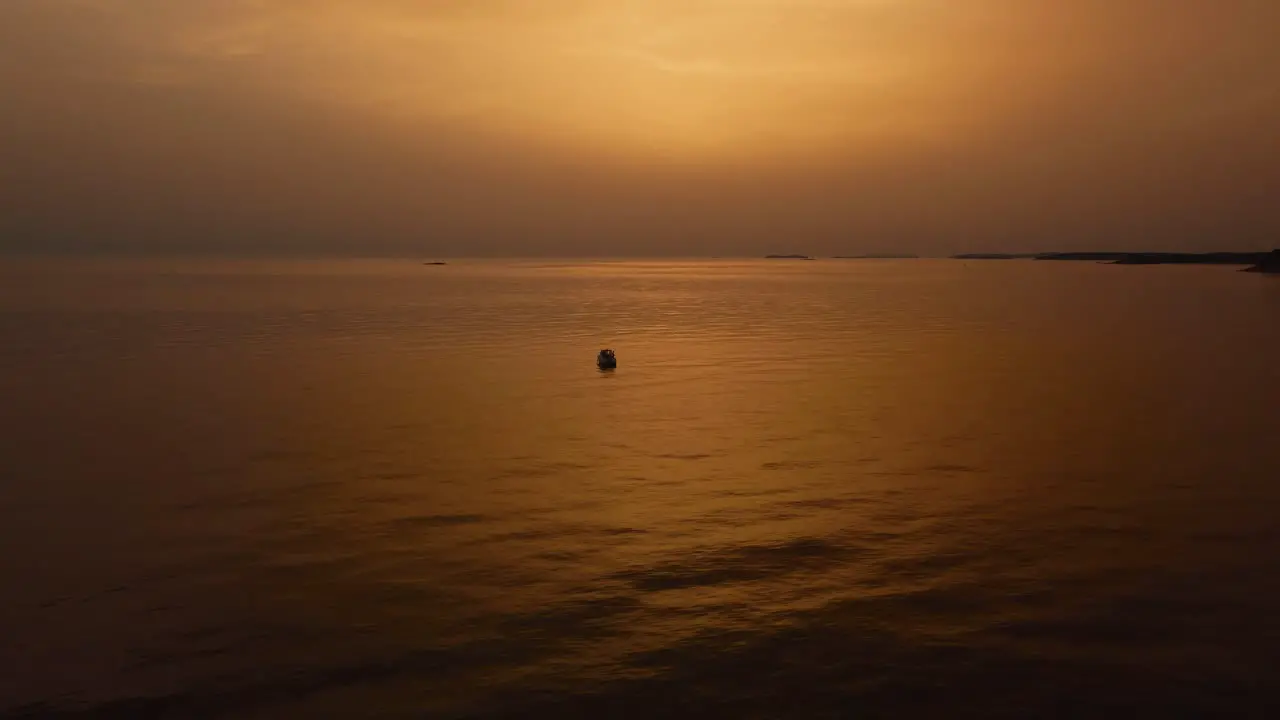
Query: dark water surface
[(824, 489)]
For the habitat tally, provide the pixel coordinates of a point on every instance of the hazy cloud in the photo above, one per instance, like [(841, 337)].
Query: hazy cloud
[(620, 126)]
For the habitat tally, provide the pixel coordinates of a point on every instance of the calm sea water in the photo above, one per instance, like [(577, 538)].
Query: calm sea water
[(811, 489)]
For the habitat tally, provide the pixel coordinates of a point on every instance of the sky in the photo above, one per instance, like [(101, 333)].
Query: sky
[(447, 128)]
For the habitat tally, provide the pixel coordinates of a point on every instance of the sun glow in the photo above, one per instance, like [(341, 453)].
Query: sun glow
[(654, 79)]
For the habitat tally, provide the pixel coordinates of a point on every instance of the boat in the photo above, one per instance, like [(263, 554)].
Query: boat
[(606, 360)]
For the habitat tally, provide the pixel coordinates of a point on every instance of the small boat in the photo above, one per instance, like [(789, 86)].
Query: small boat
[(606, 360)]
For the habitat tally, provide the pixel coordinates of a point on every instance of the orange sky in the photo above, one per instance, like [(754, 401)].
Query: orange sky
[(525, 127)]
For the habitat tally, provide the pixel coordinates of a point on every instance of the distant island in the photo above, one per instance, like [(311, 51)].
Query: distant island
[(1260, 261), (435, 263), (787, 257), (1269, 263), (1156, 258), (879, 256)]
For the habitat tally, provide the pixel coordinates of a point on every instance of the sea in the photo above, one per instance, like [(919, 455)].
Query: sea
[(810, 489)]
